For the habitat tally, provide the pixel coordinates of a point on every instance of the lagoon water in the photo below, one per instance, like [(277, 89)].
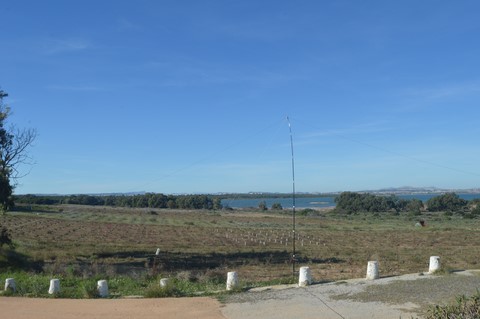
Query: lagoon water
[(317, 202), (311, 202)]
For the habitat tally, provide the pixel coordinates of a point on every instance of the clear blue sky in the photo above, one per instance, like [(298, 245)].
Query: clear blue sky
[(192, 96)]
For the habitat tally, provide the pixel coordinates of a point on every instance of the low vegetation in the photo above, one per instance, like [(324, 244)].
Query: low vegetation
[(80, 244), (464, 308), (31, 284)]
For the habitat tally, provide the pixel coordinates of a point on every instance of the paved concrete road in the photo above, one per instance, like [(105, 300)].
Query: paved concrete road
[(393, 297)]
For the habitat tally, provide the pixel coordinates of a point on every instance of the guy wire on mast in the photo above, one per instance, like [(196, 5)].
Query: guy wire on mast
[(293, 197)]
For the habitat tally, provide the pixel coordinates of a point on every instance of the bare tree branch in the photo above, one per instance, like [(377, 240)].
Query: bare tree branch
[(15, 152), (14, 144)]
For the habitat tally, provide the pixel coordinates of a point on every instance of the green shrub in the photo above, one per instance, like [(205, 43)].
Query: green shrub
[(464, 308), (170, 290), (277, 206), (307, 212), (5, 237), (212, 276), (476, 210), (89, 289)]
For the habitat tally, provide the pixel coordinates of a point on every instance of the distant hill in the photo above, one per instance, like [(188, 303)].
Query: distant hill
[(404, 190), (408, 190)]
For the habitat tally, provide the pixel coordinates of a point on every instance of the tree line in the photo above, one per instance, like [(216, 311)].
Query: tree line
[(346, 202), (148, 200), (351, 202)]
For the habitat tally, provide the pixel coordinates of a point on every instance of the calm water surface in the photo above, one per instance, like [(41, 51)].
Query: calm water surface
[(317, 202)]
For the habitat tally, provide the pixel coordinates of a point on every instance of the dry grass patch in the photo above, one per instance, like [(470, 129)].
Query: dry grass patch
[(256, 245)]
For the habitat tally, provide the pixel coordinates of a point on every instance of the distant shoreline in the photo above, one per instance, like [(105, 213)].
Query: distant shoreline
[(320, 202)]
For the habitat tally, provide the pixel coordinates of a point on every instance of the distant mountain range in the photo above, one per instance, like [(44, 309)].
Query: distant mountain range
[(406, 190)]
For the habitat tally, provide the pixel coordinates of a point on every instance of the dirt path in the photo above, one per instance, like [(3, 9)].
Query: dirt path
[(182, 308)]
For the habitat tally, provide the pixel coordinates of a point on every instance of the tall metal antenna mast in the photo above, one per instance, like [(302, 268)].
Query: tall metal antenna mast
[(293, 197)]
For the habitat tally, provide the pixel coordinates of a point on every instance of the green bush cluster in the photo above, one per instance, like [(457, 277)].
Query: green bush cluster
[(351, 202), (449, 202), (5, 237), (464, 308)]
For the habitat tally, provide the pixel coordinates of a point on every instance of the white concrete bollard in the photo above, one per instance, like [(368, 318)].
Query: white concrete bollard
[(164, 282), (232, 280), (304, 277), (372, 270), (10, 284), (102, 288), (54, 286), (434, 264)]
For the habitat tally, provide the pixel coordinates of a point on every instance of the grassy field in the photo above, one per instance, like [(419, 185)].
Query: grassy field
[(90, 241)]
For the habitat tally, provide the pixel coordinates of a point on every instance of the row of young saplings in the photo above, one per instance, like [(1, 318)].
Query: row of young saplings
[(304, 278), (269, 237)]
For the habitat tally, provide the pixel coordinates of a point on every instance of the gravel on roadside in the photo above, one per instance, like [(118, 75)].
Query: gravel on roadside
[(430, 290), (412, 292)]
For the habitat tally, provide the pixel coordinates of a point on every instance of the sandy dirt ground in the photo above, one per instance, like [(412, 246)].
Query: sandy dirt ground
[(182, 308), (393, 297)]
